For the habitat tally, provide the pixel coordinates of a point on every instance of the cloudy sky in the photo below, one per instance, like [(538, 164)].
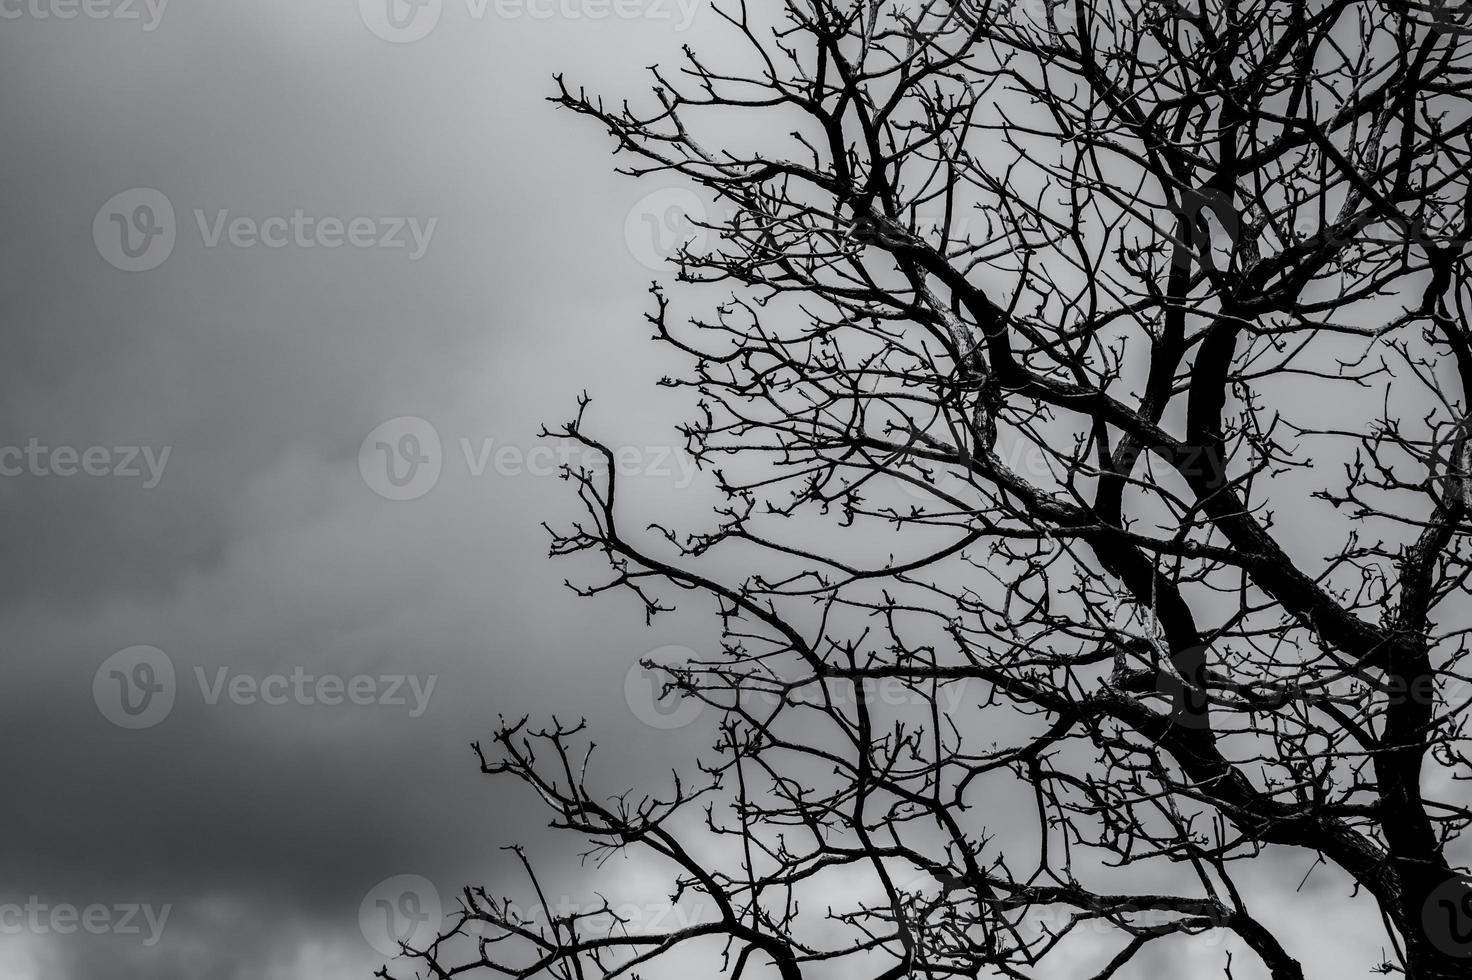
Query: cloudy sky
[(290, 288), (187, 406)]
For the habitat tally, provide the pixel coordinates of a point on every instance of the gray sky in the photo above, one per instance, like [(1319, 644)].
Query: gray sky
[(262, 549), (264, 546)]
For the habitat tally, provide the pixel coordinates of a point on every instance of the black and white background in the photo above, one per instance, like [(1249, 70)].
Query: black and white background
[(289, 289)]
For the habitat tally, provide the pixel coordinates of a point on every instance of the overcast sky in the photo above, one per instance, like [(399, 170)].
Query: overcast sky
[(260, 360), (289, 288)]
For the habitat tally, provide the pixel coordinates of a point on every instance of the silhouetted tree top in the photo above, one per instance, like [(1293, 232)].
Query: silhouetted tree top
[(1083, 389)]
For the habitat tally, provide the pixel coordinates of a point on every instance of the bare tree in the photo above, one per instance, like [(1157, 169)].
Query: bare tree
[(1095, 375)]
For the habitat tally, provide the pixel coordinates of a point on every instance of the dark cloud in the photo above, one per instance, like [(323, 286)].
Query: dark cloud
[(261, 550)]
